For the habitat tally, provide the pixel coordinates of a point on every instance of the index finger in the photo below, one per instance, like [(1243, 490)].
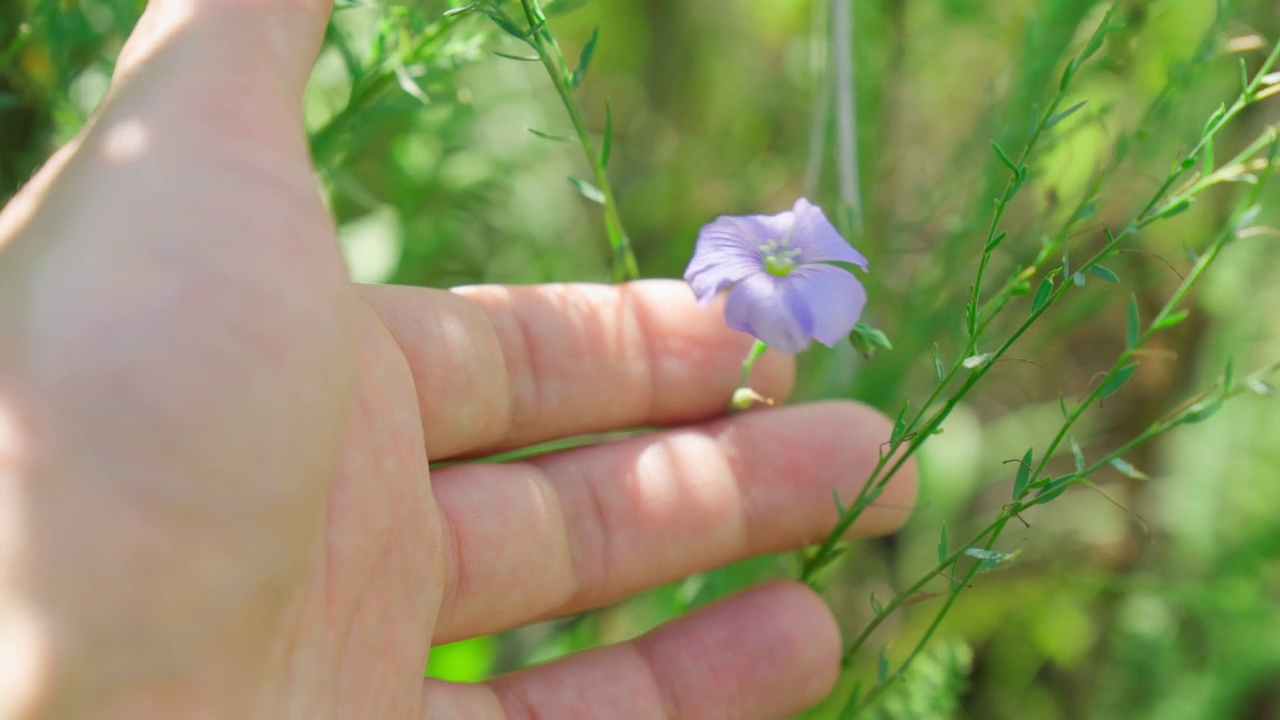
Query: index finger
[(500, 367)]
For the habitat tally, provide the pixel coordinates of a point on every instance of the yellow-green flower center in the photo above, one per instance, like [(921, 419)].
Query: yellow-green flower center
[(779, 257)]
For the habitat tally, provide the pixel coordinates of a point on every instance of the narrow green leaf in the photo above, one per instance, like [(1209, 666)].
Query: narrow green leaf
[(1024, 475), (584, 60), (1077, 454), (1202, 411), (1244, 78), (1134, 328), (882, 667), (1042, 295), (606, 141), (1095, 41), (588, 191), (1053, 489), (1087, 211), (938, 369), (560, 7), (451, 12), (1059, 117), (507, 26), (1259, 386), (1103, 273), (1117, 381), (1004, 157), (990, 559), (1211, 124), (1062, 405), (1206, 160), (900, 423), (876, 607), (549, 136), (1068, 72), (840, 508), (1128, 470), (521, 58), (1175, 209), (943, 550), (1172, 319), (995, 241)]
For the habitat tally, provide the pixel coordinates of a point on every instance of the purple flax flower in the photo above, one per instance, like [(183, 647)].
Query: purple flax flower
[(780, 288)]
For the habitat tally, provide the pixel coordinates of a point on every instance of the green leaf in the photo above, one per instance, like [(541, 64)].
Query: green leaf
[(1211, 123), (606, 141), (1134, 328), (1171, 319), (1068, 72), (560, 7), (868, 340), (1004, 157), (840, 508), (943, 550), (995, 241), (990, 559), (1024, 475), (1202, 411), (1077, 454), (1062, 405), (507, 26), (1175, 209), (521, 58), (882, 667), (1206, 160), (549, 136), (1042, 295), (1059, 117), (1053, 489), (588, 191), (451, 12), (1103, 273), (900, 423), (876, 607), (584, 60), (938, 369), (1128, 470), (1117, 381)]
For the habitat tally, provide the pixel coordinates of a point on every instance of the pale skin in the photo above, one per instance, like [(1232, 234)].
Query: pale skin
[(215, 498)]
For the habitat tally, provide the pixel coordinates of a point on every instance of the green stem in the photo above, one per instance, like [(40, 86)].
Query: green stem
[(623, 263)]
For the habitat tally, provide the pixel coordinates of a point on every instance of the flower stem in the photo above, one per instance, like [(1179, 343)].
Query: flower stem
[(743, 396)]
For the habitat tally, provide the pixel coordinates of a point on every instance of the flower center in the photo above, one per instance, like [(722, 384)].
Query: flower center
[(779, 257)]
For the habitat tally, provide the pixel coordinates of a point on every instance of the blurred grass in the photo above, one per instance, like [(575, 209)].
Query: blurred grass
[(1163, 606)]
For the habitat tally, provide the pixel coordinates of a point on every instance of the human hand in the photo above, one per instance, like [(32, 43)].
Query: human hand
[(214, 449)]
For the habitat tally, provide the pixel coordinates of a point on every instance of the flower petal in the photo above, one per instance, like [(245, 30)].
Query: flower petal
[(727, 251), (817, 238), (769, 308), (833, 296)]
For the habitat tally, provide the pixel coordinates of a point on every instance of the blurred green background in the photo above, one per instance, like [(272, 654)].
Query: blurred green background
[(1150, 599)]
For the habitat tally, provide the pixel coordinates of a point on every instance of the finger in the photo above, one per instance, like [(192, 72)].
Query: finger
[(583, 528), (500, 367), (767, 653)]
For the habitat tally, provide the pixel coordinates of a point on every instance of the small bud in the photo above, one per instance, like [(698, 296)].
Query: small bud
[(745, 397)]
